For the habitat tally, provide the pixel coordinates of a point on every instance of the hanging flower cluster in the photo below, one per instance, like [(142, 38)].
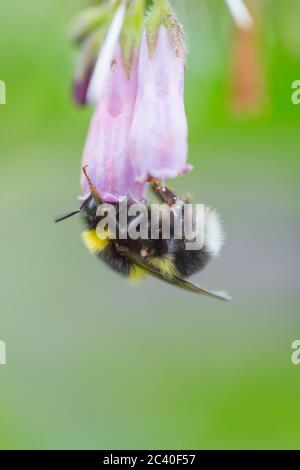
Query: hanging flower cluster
[(131, 70), (136, 85)]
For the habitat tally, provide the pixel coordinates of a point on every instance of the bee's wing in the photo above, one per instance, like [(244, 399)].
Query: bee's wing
[(184, 284), (177, 281)]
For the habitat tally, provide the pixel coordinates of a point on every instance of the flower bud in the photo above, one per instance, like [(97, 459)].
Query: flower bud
[(86, 65), (87, 22)]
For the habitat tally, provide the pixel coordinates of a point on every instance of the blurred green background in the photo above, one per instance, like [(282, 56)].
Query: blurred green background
[(95, 363)]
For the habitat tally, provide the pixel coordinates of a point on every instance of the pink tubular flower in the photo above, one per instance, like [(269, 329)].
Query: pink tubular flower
[(158, 137), (106, 152)]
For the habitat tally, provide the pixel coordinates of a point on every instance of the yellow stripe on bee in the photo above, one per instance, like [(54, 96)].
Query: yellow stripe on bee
[(93, 243), (165, 265), (136, 273)]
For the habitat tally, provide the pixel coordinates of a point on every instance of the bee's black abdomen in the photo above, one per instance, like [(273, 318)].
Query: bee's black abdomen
[(115, 260), (191, 262)]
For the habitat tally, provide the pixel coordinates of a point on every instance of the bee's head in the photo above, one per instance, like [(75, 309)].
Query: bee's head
[(89, 213)]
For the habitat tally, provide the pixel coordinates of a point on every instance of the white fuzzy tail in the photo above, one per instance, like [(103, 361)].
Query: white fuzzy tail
[(214, 237)]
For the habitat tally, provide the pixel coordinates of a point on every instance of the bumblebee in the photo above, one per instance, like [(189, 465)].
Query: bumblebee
[(165, 258)]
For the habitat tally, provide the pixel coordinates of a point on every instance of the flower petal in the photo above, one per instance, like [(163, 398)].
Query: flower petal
[(107, 148), (158, 137), (105, 56)]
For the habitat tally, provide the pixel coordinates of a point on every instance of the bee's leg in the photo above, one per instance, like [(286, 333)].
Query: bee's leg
[(94, 191), (165, 194)]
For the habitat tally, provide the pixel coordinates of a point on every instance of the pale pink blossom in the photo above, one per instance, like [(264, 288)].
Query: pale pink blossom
[(158, 137), (106, 153)]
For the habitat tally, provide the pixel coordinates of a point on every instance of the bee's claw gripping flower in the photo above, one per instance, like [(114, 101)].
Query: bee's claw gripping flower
[(106, 152), (158, 137)]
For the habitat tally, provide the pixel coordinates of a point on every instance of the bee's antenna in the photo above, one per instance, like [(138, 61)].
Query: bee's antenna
[(94, 194), (94, 191), (60, 218), (66, 216)]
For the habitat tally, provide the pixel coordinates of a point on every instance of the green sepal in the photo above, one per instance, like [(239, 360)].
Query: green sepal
[(131, 32), (161, 14), (88, 21)]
